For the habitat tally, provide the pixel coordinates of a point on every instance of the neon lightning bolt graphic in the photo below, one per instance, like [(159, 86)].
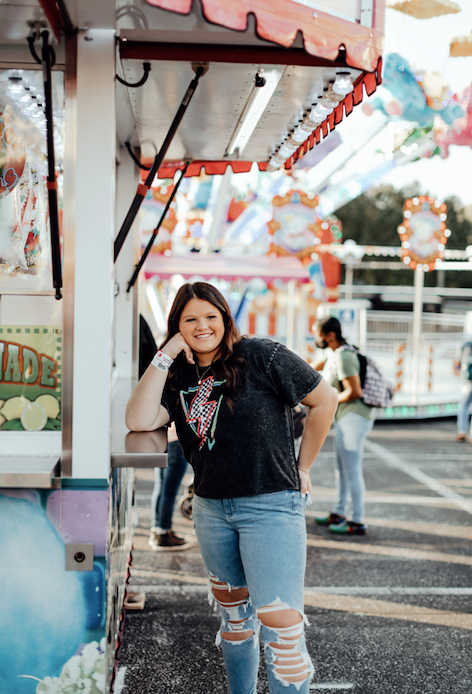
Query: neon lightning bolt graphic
[(202, 410)]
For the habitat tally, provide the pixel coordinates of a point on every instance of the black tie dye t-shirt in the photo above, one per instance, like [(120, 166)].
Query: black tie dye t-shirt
[(248, 450)]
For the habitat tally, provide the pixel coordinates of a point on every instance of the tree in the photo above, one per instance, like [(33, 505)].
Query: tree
[(372, 219)]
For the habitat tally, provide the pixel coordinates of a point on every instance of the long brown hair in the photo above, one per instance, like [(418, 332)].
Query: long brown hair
[(227, 365)]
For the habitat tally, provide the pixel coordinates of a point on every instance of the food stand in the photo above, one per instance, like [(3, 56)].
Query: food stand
[(223, 83)]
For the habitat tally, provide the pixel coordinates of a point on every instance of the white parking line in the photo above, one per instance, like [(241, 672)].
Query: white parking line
[(332, 590), (409, 469), (332, 685), (386, 590)]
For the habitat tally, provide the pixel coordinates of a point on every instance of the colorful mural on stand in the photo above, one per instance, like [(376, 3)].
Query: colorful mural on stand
[(52, 639), (30, 378), (24, 229), (61, 630)]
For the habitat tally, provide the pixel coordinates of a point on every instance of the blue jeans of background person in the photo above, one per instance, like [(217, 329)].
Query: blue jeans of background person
[(258, 543), (349, 437), (166, 486), (464, 406)]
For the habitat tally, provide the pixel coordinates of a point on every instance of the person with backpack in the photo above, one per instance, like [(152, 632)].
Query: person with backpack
[(353, 422), (463, 369)]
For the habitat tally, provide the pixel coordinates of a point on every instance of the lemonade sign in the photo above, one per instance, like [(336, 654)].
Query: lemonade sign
[(30, 378)]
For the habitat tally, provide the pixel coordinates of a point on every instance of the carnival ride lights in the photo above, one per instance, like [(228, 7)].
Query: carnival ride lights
[(330, 99), (423, 232)]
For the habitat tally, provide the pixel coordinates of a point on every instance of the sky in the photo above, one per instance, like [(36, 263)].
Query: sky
[(425, 44)]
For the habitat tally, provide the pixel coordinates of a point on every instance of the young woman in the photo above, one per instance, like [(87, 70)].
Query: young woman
[(354, 421), (231, 399)]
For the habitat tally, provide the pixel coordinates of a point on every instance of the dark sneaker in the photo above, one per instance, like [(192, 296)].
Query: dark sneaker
[(348, 528), (332, 519), (168, 541)]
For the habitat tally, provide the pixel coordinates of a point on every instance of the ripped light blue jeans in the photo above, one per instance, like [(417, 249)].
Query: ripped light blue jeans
[(350, 434), (254, 549)]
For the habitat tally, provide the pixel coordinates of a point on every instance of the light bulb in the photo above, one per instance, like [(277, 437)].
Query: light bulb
[(329, 103), (286, 150), (343, 83), (319, 112), (330, 94), (299, 135), (308, 126), (274, 164)]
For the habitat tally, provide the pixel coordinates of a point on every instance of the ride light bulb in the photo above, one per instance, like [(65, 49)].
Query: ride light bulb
[(308, 126), (15, 86), (343, 83), (327, 102), (320, 112), (286, 150), (299, 135)]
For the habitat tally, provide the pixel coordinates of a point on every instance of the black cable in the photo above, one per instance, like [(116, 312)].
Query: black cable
[(147, 70), (135, 158), (141, 192), (46, 56), (134, 13), (31, 40)]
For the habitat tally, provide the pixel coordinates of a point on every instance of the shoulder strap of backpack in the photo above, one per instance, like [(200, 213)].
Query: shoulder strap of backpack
[(362, 360)]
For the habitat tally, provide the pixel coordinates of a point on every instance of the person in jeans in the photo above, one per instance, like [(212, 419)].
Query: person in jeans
[(353, 422), (231, 400), (166, 486), (166, 480), (463, 369)]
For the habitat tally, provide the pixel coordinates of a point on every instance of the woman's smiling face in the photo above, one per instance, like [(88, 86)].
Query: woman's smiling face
[(202, 327)]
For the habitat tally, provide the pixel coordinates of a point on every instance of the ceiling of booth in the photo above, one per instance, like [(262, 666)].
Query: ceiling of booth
[(144, 114), (213, 113)]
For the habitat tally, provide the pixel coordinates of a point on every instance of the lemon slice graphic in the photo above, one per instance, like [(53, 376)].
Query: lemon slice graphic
[(13, 407), (50, 404), (33, 417)]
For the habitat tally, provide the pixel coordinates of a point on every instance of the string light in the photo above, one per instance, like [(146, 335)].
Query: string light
[(327, 102), (343, 83)]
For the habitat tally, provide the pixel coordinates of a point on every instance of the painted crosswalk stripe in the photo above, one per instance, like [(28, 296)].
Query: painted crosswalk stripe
[(409, 469), (332, 685), (382, 550), (388, 610)]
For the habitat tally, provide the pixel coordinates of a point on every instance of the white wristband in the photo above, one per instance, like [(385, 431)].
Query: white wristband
[(162, 361)]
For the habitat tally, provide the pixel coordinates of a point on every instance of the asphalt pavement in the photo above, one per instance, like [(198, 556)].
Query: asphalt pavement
[(390, 612)]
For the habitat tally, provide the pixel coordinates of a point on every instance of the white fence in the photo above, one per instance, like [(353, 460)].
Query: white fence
[(389, 340)]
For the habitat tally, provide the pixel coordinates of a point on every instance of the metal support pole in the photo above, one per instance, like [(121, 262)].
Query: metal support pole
[(218, 209), (290, 311), (349, 278), (363, 329), (46, 56), (144, 187), (302, 320), (417, 316), (147, 250)]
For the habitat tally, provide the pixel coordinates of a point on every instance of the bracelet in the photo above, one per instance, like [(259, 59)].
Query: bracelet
[(300, 469), (162, 361)]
